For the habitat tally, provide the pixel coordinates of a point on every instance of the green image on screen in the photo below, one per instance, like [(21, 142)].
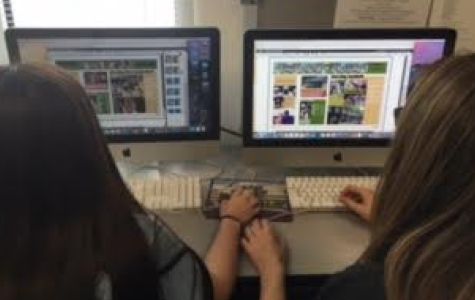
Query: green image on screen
[(101, 103), (318, 112)]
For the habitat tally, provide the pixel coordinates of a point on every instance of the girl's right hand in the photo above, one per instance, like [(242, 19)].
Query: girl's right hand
[(264, 249), (359, 200)]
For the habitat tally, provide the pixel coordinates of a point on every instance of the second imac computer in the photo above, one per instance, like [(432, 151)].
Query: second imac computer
[(327, 98), (155, 91)]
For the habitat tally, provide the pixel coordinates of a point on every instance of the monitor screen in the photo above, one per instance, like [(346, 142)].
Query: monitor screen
[(334, 91), (143, 84)]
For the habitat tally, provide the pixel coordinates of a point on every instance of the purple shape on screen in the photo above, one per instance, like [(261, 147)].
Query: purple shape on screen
[(428, 52)]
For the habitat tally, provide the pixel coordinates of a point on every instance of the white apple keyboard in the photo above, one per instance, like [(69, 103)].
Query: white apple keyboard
[(167, 192), (316, 193), (321, 193)]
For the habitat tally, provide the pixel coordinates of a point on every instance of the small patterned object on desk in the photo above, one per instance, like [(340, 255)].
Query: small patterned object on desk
[(272, 196)]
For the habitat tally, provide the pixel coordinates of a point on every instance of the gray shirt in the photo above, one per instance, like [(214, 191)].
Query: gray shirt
[(182, 274)]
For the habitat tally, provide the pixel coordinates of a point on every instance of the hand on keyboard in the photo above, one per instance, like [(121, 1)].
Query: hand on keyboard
[(243, 205), (358, 199), (264, 248)]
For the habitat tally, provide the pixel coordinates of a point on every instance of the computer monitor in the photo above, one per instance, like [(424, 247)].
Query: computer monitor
[(327, 97), (155, 91)]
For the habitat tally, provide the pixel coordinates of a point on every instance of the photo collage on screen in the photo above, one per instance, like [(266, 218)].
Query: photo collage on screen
[(319, 94), (118, 87)]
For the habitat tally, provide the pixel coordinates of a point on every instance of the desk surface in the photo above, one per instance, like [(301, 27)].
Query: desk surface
[(318, 243)]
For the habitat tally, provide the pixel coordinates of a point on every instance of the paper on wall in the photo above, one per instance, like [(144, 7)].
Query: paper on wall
[(382, 13), (457, 14)]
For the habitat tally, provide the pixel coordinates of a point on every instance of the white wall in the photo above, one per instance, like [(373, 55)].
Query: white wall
[(233, 19), (3, 47), (184, 13)]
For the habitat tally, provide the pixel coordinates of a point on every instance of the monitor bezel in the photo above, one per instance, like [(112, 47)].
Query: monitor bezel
[(12, 36), (325, 34)]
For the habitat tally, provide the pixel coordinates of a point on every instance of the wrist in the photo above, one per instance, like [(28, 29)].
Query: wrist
[(270, 282), (273, 275), (230, 225)]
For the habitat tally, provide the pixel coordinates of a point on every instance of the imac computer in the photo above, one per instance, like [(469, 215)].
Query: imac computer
[(328, 97), (155, 91)]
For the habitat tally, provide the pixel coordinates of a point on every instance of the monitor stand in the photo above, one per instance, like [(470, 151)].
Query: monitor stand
[(202, 169), (168, 158)]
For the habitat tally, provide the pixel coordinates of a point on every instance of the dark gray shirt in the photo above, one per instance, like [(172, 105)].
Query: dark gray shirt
[(182, 274), (360, 281)]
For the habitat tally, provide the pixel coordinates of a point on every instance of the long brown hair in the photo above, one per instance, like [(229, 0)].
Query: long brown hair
[(424, 216), (65, 214)]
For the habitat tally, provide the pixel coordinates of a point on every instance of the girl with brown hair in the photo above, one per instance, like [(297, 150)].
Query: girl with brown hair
[(69, 227), (423, 216)]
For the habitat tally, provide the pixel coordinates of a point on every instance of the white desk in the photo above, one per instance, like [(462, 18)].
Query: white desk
[(318, 243)]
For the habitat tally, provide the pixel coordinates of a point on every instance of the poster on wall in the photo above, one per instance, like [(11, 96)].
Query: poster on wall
[(457, 14), (382, 14)]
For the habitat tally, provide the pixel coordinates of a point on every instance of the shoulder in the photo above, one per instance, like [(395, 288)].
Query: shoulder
[(360, 281)]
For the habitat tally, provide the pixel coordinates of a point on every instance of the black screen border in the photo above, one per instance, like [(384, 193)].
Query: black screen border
[(13, 35), (326, 34)]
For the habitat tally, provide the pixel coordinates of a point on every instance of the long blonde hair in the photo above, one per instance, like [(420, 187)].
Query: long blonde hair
[(424, 216)]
